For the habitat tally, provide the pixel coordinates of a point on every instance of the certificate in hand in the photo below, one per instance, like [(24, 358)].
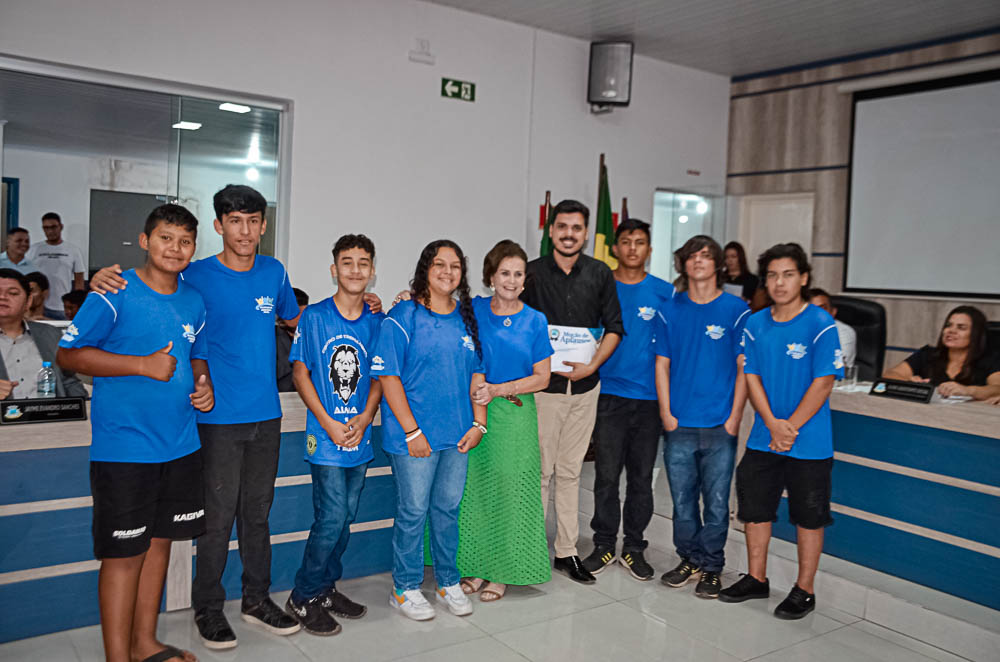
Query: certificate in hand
[(572, 343)]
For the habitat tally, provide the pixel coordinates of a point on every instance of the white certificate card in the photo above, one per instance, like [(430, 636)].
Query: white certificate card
[(572, 343)]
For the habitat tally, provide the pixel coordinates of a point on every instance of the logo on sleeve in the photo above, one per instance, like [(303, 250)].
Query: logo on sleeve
[(646, 313), (188, 332), (796, 350), (345, 372), (838, 359), (265, 304), (71, 333), (714, 331), (298, 334), (468, 344), (378, 363)]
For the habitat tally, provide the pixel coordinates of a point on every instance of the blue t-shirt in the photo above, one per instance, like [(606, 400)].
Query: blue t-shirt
[(702, 341), (788, 356), (242, 306), (337, 352), (435, 358), (140, 419), (630, 371), (512, 344)]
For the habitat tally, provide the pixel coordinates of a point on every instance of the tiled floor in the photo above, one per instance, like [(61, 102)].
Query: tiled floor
[(616, 619)]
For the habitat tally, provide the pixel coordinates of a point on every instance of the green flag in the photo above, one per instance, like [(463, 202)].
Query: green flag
[(546, 246), (604, 229)]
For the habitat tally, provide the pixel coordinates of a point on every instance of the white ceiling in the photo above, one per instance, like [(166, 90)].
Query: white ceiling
[(736, 37)]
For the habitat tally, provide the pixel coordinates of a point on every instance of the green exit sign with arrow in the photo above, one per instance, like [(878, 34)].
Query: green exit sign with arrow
[(458, 89)]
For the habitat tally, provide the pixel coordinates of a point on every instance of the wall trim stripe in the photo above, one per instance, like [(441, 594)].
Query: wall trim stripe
[(786, 171), (960, 483), (828, 255)]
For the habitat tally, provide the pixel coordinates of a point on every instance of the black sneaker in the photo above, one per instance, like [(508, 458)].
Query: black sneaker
[(636, 564), (340, 605), (269, 616), (796, 605), (313, 617), (599, 559), (681, 575), (708, 586), (747, 588), (214, 630)]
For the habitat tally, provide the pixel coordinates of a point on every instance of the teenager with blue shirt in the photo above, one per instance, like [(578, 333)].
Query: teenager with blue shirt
[(702, 392), (144, 348), (501, 524), (331, 357), (627, 433), (792, 358), (429, 360)]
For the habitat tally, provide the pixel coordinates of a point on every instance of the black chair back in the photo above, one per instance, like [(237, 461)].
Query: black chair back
[(993, 336), (867, 318)]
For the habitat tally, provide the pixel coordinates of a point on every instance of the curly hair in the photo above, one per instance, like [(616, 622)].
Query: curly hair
[(421, 292)]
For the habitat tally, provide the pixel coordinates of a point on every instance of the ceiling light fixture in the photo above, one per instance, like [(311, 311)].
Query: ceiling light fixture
[(682, 219), (188, 126), (253, 154), (234, 107), (253, 174)]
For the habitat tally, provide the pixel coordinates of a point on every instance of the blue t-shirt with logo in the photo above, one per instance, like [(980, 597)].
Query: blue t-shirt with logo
[(337, 351), (630, 371), (512, 344), (702, 341), (435, 357), (133, 418), (788, 356), (242, 307)]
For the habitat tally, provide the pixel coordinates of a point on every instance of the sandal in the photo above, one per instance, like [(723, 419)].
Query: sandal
[(493, 592), (168, 653), (471, 585)]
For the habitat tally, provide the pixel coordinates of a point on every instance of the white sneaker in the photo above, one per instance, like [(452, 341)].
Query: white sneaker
[(455, 598), (413, 604)]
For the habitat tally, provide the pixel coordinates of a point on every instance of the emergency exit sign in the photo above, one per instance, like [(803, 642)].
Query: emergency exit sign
[(458, 89)]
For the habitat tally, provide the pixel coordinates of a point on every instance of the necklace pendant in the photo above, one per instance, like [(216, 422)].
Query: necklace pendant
[(506, 321)]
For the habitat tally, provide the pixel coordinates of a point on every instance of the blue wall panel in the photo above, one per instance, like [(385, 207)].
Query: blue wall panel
[(57, 473), (28, 609), (41, 539)]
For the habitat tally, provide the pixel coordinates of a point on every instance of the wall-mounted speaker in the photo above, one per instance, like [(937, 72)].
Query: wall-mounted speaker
[(610, 73)]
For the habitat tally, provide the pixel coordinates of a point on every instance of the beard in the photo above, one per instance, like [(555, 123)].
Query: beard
[(557, 249)]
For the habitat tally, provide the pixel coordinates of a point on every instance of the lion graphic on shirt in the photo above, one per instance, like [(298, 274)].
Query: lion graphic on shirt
[(345, 371)]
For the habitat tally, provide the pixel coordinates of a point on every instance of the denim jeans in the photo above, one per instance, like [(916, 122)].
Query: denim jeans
[(427, 487), (336, 493), (699, 462), (627, 436), (241, 462)]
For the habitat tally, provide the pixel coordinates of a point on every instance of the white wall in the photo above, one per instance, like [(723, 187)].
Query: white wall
[(375, 148)]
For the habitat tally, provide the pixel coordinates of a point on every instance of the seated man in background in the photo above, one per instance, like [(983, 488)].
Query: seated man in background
[(39, 292), (25, 345), (18, 243), (848, 336), (284, 336), (72, 302)]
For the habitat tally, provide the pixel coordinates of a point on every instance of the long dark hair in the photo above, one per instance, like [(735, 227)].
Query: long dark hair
[(692, 246), (421, 292), (741, 255), (977, 346)]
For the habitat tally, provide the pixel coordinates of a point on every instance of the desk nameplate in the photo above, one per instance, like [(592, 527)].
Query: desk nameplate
[(912, 391), (42, 410)]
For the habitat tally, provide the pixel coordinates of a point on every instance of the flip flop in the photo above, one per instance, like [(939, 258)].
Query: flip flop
[(470, 585), (492, 592), (168, 653)]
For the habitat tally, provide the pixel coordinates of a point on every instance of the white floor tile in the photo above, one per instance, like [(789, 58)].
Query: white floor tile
[(56, 647), (847, 644), (906, 642), (486, 650)]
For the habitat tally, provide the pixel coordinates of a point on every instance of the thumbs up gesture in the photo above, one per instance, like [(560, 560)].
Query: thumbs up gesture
[(203, 398), (159, 365)]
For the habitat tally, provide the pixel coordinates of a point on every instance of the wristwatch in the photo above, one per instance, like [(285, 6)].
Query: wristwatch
[(480, 426)]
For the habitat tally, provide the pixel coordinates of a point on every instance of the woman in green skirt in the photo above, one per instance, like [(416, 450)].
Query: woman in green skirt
[(501, 538)]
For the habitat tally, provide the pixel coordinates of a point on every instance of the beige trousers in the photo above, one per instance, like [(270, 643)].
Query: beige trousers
[(565, 423)]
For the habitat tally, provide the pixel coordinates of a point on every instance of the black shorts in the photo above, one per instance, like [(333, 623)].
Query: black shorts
[(761, 478), (137, 501)]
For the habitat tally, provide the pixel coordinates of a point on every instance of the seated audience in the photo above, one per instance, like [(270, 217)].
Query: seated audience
[(18, 243), (39, 284), (284, 335), (960, 364), (737, 274), (848, 336), (24, 345), (72, 302)]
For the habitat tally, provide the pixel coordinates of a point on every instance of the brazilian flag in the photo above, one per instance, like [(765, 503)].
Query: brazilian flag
[(604, 228)]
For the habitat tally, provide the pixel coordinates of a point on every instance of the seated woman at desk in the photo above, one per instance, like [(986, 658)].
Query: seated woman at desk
[(960, 364)]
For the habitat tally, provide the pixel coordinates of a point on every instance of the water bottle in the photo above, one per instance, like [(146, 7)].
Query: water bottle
[(46, 381)]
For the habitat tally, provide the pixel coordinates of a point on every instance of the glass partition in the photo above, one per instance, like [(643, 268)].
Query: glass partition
[(678, 216)]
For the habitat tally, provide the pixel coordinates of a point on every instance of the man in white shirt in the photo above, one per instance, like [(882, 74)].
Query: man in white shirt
[(16, 256), (60, 261), (848, 336)]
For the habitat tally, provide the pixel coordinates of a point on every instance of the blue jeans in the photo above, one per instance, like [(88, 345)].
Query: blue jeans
[(699, 462), (427, 487), (336, 494)]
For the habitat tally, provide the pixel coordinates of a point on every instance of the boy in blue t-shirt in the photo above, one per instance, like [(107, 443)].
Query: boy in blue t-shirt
[(793, 357), (627, 430), (331, 357), (699, 379), (143, 347)]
